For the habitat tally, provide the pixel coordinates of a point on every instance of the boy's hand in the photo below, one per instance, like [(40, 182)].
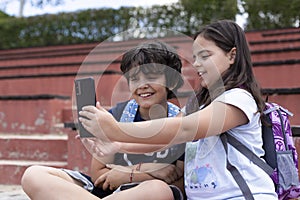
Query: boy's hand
[(169, 174), (113, 178)]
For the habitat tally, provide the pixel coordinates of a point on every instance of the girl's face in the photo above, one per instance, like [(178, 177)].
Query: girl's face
[(210, 61), (148, 89)]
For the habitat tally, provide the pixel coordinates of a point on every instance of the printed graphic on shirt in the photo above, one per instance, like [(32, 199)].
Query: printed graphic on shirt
[(166, 156), (199, 175)]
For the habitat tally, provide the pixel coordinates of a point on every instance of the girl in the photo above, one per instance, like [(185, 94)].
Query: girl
[(229, 99)]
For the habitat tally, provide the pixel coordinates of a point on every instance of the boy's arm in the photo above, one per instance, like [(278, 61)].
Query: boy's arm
[(112, 176), (108, 177), (98, 167), (102, 173)]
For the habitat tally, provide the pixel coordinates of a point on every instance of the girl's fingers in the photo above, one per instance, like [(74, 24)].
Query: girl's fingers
[(92, 146), (98, 105), (92, 109), (86, 114), (81, 119), (87, 142), (85, 122)]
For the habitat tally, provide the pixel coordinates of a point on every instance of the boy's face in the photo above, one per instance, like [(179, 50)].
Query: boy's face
[(148, 89)]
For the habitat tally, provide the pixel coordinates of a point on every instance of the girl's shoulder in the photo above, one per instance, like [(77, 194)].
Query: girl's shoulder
[(236, 95), (236, 91), (241, 99)]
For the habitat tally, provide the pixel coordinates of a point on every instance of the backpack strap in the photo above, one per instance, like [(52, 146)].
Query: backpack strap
[(117, 111), (268, 142), (235, 173), (227, 138), (248, 153)]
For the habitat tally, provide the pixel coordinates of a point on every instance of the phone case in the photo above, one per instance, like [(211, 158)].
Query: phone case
[(85, 95)]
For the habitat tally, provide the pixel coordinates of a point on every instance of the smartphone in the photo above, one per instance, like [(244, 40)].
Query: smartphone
[(85, 95)]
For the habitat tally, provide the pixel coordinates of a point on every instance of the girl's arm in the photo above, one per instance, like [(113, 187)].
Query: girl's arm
[(212, 120), (136, 148), (100, 150)]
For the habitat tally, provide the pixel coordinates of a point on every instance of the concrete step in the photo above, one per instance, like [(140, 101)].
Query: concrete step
[(12, 170), (41, 147), (79, 157), (39, 114), (12, 192)]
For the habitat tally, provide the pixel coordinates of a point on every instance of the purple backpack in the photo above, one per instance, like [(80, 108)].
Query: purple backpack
[(280, 154), (284, 161)]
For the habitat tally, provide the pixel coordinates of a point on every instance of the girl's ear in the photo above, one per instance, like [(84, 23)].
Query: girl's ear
[(232, 54)]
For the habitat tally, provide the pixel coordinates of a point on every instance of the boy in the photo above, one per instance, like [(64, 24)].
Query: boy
[(153, 74)]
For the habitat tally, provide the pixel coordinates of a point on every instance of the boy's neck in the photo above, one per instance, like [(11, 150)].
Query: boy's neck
[(154, 112)]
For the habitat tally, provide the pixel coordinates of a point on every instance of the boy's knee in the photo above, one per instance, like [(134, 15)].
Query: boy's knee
[(31, 177), (27, 180), (160, 188), (29, 174)]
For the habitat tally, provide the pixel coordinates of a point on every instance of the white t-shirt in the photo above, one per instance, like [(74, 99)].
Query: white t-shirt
[(206, 176)]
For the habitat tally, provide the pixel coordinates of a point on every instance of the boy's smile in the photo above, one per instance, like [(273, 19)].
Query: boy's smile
[(145, 95)]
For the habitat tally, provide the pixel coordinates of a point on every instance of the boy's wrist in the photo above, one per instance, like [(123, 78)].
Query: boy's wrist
[(135, 167), (131, 176)]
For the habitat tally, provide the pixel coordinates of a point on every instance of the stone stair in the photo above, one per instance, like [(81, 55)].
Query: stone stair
[(20, 151)]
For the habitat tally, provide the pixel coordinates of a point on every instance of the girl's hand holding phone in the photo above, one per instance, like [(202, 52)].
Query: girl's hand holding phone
[(97, 121)]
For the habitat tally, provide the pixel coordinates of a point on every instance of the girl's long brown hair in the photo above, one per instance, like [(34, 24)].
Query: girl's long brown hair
[(227, 34)]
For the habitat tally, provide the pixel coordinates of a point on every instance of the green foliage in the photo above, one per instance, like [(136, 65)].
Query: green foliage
[(3, 15), (64, 28), (97, 25), (101, 24), (88, 26), (268, 14), (210, 10)]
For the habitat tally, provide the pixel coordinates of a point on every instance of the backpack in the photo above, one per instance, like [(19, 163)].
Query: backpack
[(280, 154)]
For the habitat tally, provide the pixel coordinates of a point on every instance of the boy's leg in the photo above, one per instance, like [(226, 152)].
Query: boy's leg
[(147, 190), (41, 182)]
